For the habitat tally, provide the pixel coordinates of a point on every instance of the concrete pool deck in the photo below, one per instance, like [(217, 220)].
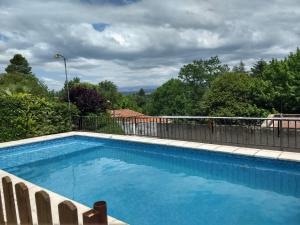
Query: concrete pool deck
[(56, 199)]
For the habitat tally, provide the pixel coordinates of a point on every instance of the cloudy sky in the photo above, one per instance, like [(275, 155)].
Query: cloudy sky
[(143, 42)]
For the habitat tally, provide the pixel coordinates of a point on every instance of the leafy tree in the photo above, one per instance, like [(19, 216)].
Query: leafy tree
[(170, 99), (259, 68), (285, 78), (110, 92), (87, 100), (140, 100), (129, 102), (62, 94), (12, 83), (198, 77), (237, 94), (201, 72), (18, 64), (240, 68), (72, 83)]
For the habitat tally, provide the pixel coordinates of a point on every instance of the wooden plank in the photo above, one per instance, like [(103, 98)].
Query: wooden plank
[(23, 201), (101, 209), (43, 208), (67, 213), (90, 217), (9, 202), (2, 220)]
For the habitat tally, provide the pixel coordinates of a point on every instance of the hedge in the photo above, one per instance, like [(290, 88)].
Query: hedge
[(24, 116)]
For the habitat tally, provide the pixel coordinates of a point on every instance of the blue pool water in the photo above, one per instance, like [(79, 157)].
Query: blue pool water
[(157, 185)]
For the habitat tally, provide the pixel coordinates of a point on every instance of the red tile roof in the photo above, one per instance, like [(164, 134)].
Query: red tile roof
[(137, 116), (125, 113)]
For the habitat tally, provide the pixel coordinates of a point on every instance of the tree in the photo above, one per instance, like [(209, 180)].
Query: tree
[(201, 72), (240, 68), (128, 102), (285, 78), (110, 92), (170, 99), (141, 92), (198, 77), (259, 68), (87, 100), (18, 64), (238, 94)]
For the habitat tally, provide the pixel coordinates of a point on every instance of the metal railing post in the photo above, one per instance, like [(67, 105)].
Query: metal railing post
[(280, 135)]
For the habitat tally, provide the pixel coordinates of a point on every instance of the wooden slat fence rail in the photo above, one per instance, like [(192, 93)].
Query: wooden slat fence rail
[(67, 211)]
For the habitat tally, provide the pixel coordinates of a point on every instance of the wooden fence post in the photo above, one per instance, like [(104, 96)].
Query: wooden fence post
[(90, 217), (2, 221), (10, 208), (43, 208), (101, 209), (67, 213), (23, 204)]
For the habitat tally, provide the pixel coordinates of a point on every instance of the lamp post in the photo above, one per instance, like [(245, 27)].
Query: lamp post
[(59, 56)]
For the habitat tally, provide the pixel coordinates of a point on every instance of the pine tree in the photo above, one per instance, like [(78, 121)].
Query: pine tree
[(18, 64)]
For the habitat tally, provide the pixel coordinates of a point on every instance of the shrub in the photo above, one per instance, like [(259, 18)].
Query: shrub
[(24, 116)]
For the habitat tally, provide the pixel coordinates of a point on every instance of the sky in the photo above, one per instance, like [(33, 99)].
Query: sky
[(143, 42)]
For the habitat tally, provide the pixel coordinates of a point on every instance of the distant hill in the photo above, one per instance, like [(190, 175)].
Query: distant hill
[(130, 90)]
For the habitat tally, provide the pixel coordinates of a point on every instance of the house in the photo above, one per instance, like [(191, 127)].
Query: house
[(136, 123), (287, 121)]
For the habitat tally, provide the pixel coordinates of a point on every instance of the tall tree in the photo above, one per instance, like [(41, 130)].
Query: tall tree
[(201, 72), (240, 68), (198, 77), (110, 92), (238, 94), (259, 68), (171, 98), (285, 78), (18, 64)]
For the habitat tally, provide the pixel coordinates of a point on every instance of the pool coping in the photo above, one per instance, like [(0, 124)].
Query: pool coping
[(235, 150), (56, 198)]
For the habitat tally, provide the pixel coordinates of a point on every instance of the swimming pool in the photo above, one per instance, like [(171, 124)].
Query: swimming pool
[(161, 185)]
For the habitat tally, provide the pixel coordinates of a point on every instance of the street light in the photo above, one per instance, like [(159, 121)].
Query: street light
[(59, 56)]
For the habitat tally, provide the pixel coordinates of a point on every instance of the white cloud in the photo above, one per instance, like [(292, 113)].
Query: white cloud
[(146, 41)]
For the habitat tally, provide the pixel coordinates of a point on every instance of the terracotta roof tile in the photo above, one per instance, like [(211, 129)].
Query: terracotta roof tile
[(136, 116), (125, 113)]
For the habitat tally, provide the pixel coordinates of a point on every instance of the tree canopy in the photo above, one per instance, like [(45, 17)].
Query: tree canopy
[(172, 98), (18, 64), (236, 94), (110, 92), (202, 72), (87, 100)]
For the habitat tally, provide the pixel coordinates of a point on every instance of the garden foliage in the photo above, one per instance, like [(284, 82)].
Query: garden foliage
[(24, 116)]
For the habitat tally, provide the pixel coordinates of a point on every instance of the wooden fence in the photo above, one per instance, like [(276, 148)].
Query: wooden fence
[(67, 211)]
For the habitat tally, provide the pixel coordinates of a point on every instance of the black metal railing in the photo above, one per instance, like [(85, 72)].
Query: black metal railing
[(269, 133)]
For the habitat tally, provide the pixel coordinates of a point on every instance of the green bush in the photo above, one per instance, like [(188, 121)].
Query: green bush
[(24, 116)]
